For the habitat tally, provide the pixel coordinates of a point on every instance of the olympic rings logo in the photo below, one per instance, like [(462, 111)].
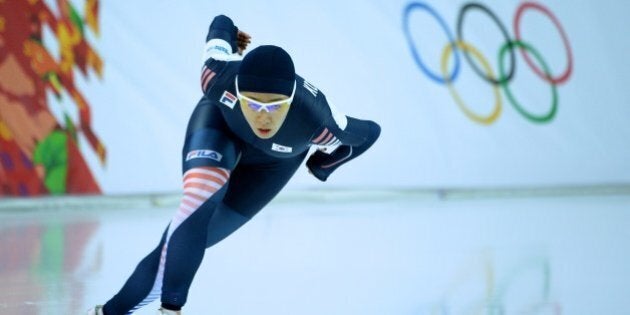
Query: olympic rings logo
[(458, 43)]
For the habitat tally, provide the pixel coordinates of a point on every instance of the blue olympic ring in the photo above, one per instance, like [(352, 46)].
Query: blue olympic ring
[(416, 56)]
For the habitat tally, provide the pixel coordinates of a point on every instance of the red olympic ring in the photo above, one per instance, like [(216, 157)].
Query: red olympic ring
[(565, 40)]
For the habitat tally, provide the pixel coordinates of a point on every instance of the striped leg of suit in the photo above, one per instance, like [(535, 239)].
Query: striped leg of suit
[(181, 249)]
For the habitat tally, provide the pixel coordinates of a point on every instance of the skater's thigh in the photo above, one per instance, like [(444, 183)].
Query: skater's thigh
[(209, 143), (252, 186)]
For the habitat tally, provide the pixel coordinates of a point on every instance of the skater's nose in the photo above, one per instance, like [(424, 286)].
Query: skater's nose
[(264, 118)]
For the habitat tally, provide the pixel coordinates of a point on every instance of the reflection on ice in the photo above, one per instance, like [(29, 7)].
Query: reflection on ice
[(43, 266)]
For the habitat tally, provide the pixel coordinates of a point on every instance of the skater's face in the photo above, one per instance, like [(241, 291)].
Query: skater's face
[(265, 112)]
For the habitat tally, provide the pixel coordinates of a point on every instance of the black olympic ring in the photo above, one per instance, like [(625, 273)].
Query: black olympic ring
[(460, 37)]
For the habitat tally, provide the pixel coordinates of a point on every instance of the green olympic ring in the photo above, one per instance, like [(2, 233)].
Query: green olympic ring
[(504, 83)]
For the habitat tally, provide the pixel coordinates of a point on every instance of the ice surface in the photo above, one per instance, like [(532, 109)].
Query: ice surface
[(545, 255)]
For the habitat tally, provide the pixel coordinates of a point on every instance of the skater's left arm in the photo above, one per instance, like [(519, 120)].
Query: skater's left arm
[(349, 137)]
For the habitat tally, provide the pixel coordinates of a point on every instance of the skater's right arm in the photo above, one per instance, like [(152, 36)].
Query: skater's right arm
[(224, 40)]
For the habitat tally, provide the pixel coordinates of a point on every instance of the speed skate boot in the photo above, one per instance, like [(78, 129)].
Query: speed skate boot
[(97, 310)]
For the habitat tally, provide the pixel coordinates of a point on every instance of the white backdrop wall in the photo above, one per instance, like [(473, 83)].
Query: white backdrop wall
[(357, 53)]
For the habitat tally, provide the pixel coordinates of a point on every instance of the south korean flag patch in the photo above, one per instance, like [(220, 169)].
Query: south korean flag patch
[(228, 99), (281, 148)]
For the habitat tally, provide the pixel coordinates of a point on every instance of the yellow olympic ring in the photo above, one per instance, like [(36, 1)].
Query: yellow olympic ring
[(446, 53)]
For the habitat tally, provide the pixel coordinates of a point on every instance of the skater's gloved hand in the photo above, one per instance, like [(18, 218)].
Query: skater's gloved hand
[(321, 165), (243, 39), (222, 27)]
